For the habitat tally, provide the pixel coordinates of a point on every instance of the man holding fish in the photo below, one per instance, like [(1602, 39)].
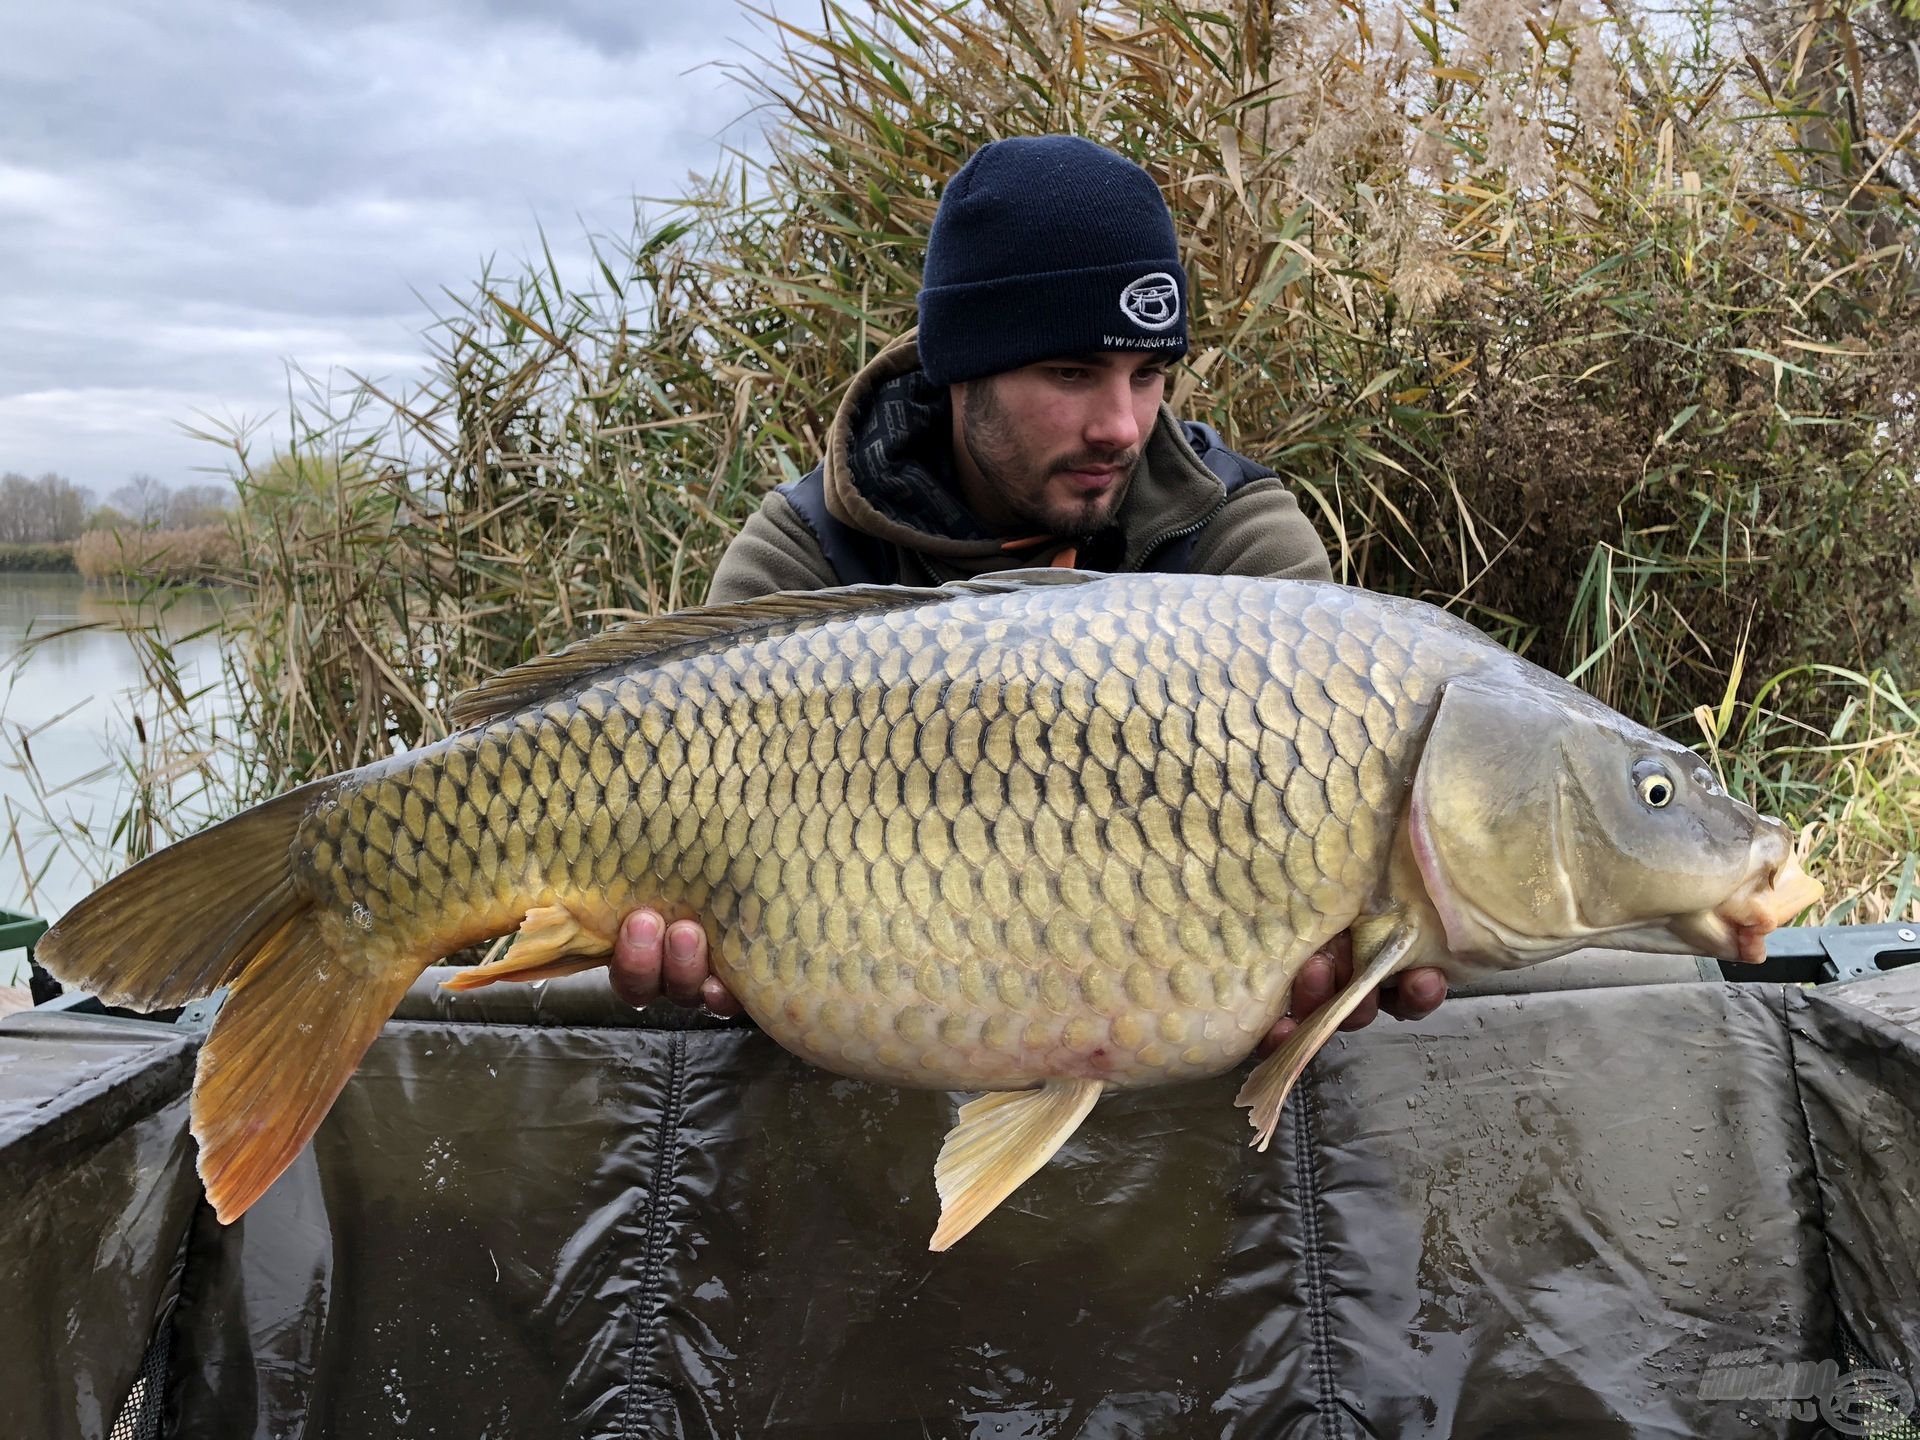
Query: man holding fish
[(1023, 423), (1040, 835)]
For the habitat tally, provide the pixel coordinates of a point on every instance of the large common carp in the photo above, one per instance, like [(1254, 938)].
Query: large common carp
[(1037, 835)]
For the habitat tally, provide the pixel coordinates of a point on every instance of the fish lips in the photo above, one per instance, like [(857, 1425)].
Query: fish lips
[(1710, 933), (1738, 927)]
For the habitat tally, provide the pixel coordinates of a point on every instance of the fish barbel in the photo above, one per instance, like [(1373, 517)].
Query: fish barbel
[(1038, 835)]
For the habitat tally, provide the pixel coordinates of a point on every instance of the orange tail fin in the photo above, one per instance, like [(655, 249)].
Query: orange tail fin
[(291, 1032), (221, 908)]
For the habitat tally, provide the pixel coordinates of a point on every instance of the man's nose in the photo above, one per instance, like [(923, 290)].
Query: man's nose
[(1112, 425)]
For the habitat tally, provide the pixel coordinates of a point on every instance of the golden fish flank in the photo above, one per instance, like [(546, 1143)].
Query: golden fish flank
[(1051, 830), (959, 856)]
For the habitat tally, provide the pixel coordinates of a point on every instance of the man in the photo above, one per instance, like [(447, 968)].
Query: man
[(1022, 424)]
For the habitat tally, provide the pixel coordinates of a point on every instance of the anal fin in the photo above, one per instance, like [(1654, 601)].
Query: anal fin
[(1273, 1079), (1000, 1140), (552, 941)]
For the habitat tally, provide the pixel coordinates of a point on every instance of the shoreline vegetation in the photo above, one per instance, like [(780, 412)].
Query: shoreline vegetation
[(192, 555), (37, 557), (1600, 332)]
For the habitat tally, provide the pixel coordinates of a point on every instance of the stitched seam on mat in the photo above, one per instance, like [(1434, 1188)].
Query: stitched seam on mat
[(1813, 1155), (649, 1303), (1319, 1323)]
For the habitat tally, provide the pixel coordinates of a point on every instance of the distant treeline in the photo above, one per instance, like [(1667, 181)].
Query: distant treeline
[(52, 508), (52, 524)]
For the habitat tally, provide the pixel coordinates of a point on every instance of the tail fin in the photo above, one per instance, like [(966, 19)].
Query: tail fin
[(221, 908), (292, 1030), (185, 920)]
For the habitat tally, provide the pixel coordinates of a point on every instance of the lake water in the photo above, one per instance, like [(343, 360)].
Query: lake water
[(96, 670)]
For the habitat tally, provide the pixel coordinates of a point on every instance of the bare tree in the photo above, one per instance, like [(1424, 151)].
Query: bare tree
[(143, 500), (38, 511), (193, 505), (16, 507)]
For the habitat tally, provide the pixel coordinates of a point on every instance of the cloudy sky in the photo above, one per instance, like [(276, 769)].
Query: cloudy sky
[(193, 193)]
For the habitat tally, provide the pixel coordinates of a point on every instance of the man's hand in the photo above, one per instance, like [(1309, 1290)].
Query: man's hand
[(1411, 995), (651, 957)]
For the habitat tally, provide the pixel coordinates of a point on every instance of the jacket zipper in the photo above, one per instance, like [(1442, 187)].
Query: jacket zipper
[(1180, 534)]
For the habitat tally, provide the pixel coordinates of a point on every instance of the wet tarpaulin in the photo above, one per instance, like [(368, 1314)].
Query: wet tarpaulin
[(1644, 1211), (96, 1191)]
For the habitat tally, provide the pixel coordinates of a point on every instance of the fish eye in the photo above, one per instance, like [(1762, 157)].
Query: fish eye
[(1650, 778)]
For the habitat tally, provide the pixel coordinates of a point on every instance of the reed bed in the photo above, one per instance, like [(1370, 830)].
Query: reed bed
[(171, 557), (1598, 331)]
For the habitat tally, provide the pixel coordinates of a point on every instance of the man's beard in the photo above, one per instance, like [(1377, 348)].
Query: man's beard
[(1021, 485)]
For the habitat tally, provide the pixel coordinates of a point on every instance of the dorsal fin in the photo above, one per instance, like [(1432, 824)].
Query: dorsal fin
[(670, 637)]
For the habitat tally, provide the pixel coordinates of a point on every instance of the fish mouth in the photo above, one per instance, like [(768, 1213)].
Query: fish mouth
[(1737, 928)]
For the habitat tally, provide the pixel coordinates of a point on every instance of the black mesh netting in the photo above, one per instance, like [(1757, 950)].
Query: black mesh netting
[(139, 1418), (1872, 1402)]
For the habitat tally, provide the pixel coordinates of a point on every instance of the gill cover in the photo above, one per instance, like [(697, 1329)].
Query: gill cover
[(1542, 824)]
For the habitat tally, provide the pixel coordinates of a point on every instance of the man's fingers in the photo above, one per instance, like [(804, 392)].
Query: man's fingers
[(1341, 948), (651, 958), (1312, 986), (1329, 970), (685, 968), (1363, 1013), (634, 969), (1418, 994), (717, 998), (1274, 1038)]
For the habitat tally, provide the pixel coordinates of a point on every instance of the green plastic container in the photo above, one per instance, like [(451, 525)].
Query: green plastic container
[(20, 932)]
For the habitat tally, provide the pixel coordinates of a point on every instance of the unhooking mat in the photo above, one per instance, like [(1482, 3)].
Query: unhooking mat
[(1657, 1210)]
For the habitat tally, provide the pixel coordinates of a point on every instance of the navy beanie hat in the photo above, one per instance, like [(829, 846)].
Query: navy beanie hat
[(1048, 245)]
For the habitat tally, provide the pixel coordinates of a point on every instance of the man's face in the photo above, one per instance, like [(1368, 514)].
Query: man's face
[(1052, 446)]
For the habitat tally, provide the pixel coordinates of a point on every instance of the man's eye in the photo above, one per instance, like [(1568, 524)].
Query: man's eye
[(1069, 372), (1149, 376)]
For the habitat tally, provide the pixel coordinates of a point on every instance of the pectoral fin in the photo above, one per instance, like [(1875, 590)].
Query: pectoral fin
[(1001, 1139), (1267, 1088), (552, 942)]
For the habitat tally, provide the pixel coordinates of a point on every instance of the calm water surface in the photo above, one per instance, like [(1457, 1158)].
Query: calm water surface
[(98, 671)]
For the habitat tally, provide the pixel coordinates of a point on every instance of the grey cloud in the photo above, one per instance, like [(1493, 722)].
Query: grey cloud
[(190, 196)]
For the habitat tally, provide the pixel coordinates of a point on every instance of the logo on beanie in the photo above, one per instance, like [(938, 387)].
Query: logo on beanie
[(1152, 302)]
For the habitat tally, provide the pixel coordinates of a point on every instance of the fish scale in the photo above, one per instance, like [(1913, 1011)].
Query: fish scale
[(1038, 835), (967, 846)]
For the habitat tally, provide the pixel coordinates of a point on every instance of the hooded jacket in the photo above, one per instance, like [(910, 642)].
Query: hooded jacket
[(889, 477)]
